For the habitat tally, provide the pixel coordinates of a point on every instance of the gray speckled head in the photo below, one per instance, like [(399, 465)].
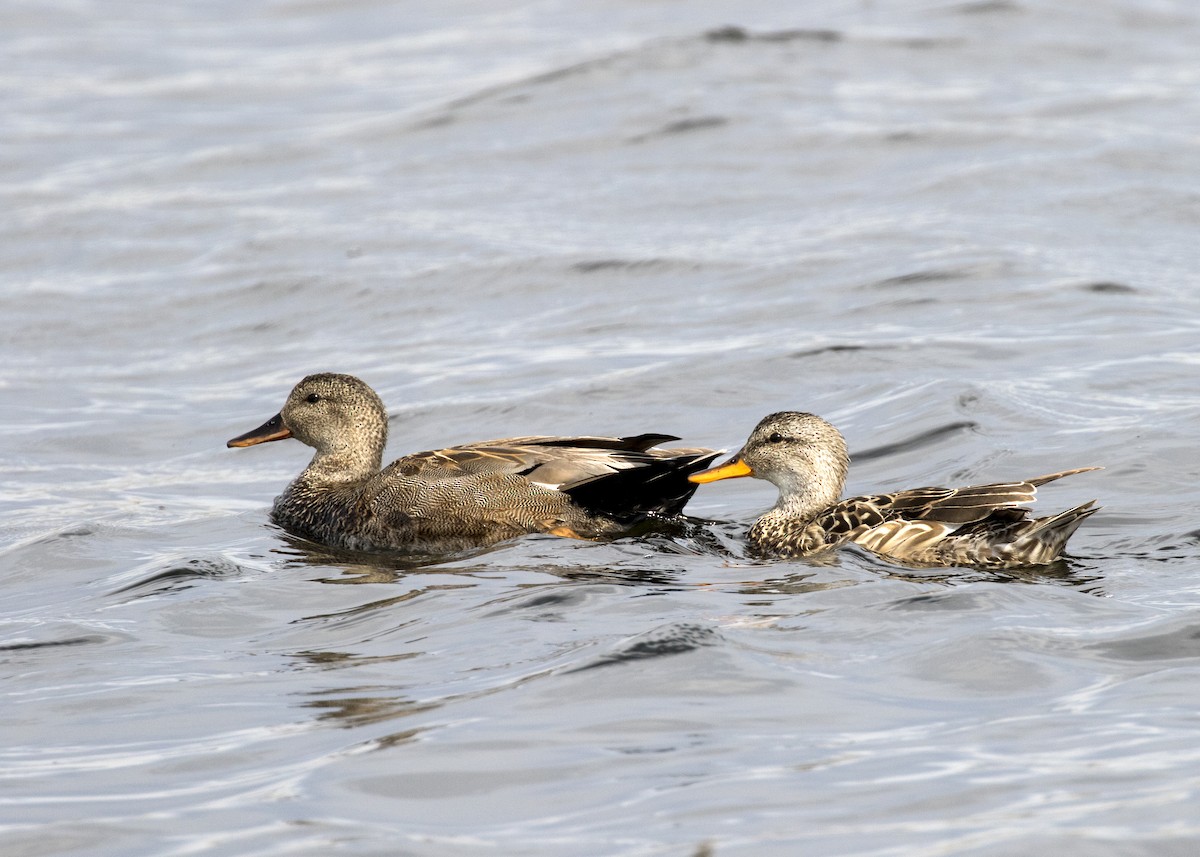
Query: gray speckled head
[(342, 419), (802, 455)]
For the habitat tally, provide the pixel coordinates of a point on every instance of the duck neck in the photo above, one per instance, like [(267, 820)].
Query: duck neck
[(354, 459), (803, 507), (805, 494)]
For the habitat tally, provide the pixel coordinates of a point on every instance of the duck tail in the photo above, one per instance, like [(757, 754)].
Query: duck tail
[(1044, 539), (658, 487)]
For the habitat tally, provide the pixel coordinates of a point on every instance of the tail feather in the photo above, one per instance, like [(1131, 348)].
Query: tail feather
[(1050, 477), (659, 486), (1044, 539)]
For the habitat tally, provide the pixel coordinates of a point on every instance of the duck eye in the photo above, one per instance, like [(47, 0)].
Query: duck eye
[(312, 398), (775, 437)]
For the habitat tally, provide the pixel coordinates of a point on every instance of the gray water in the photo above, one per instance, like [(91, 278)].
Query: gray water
[(965, 232)]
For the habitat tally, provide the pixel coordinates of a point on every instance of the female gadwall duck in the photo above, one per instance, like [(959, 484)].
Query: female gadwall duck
[(805, 458), (463, 496)]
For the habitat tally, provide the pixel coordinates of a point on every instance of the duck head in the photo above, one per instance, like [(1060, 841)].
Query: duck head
[(800, 454), (338, 415)]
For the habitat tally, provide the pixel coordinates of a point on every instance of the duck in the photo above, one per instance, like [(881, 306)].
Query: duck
[(465, 496), (805, 457)]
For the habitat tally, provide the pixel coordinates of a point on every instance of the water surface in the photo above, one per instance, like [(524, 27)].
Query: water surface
[(964, 232)]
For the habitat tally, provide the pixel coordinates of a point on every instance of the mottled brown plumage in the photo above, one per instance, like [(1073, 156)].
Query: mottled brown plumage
[(462, 496), (805, 458)]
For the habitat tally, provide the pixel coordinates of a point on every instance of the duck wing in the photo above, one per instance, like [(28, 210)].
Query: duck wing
[(978, 524), (617, 477), (556, 463), (965, 505)]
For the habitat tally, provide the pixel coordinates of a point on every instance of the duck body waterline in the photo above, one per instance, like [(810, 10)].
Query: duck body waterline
[(805, 457), (461, 496)]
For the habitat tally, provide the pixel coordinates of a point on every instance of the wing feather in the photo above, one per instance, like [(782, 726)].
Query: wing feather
[(553, 462), (968, 504)]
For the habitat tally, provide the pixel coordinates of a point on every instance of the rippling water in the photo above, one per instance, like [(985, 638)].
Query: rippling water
[(964, 232)]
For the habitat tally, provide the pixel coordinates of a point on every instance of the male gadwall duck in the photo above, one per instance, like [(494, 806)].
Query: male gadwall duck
[(463, 496), (805, 458)]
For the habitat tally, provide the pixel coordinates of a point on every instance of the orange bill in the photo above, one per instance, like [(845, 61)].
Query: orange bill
[(272, 429), (729, 470)]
